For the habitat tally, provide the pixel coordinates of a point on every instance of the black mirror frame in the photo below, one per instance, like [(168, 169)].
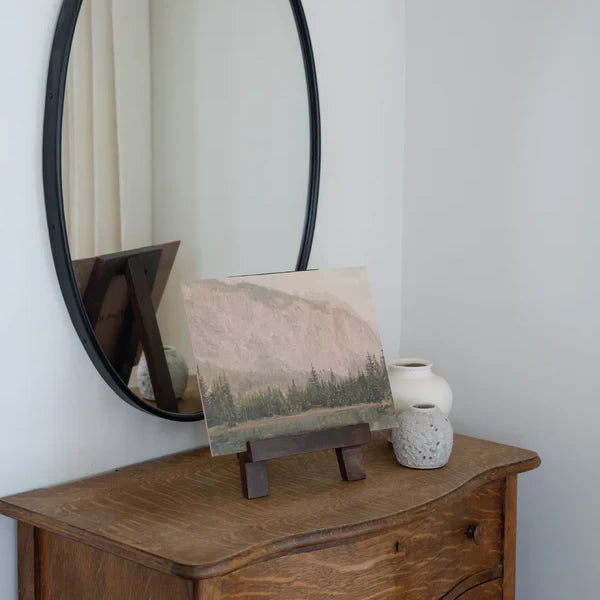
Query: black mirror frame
[(52, 176)]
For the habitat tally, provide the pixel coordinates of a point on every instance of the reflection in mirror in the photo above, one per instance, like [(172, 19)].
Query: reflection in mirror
[(184, 120)]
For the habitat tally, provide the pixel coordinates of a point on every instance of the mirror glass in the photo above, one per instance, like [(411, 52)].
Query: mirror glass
[(184, 121)]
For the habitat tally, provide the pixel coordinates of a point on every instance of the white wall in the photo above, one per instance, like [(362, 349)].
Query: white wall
[(359, 52), (59, 420), (501, 253)]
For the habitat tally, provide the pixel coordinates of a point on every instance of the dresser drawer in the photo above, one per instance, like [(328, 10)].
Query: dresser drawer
[(420, 560), (492, 590)]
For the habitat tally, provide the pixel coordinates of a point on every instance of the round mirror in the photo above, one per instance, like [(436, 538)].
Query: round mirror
[(181, 142)]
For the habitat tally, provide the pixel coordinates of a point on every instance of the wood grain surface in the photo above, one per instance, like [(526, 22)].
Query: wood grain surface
[(473, 581), (73, 571), (28, 568), (428, 559), (185, 514)]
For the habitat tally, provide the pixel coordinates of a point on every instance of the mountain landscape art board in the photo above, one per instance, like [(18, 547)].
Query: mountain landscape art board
[(286, 353)]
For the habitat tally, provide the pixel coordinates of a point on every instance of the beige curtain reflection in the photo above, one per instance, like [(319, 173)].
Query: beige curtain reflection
[(107, 161)]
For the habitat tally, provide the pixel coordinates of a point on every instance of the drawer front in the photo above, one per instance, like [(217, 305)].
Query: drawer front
[(421, 560), (69, 570), (492, 590)]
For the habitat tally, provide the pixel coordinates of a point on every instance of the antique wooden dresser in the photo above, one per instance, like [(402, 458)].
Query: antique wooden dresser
[(179, 528)]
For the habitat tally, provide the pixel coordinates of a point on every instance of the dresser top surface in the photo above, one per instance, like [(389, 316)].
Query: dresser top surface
[(185, 514)]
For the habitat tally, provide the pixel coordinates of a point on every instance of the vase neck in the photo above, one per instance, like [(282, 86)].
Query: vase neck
[(412, 367)]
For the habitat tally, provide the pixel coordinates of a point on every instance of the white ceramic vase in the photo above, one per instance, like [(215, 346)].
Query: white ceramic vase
[(423, 438), (414, 382), (178, 370)]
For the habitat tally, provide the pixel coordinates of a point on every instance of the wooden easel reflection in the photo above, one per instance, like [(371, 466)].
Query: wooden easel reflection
[(117, 292)]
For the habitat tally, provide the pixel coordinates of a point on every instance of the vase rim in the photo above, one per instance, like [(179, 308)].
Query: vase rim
[(412, 364)]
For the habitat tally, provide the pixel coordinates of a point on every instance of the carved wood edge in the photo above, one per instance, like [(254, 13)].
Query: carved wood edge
[(289, 545), (467, 584), (36, 521)]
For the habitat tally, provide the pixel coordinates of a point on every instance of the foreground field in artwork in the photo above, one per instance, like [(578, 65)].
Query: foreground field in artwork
[(321, 403), (285, 354), (223, 438)]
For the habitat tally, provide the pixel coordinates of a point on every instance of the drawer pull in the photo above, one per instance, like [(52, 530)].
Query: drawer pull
[(471, 531), (476, 532)]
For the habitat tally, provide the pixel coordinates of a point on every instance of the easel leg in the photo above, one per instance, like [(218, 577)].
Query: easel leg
[(255, 478), (141, 300), (350, 461)]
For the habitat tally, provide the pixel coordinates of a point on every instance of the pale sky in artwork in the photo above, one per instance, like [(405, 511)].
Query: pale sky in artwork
[(349, 286)]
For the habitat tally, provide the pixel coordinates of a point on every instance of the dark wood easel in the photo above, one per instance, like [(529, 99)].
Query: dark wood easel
[(140, 268), (346, 441)]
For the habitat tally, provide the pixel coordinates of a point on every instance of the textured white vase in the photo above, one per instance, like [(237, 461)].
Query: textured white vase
[(414, 382), (178, 370), (423, 438)]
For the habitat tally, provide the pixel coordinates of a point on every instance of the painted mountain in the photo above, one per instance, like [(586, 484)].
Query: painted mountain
[(286, 353)]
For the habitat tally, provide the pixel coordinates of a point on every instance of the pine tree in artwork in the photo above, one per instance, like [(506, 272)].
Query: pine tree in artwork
[(295, 400), (221, 400), (333, 398), (382, 365), (313, 389), (321, 390), (203, 388)]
